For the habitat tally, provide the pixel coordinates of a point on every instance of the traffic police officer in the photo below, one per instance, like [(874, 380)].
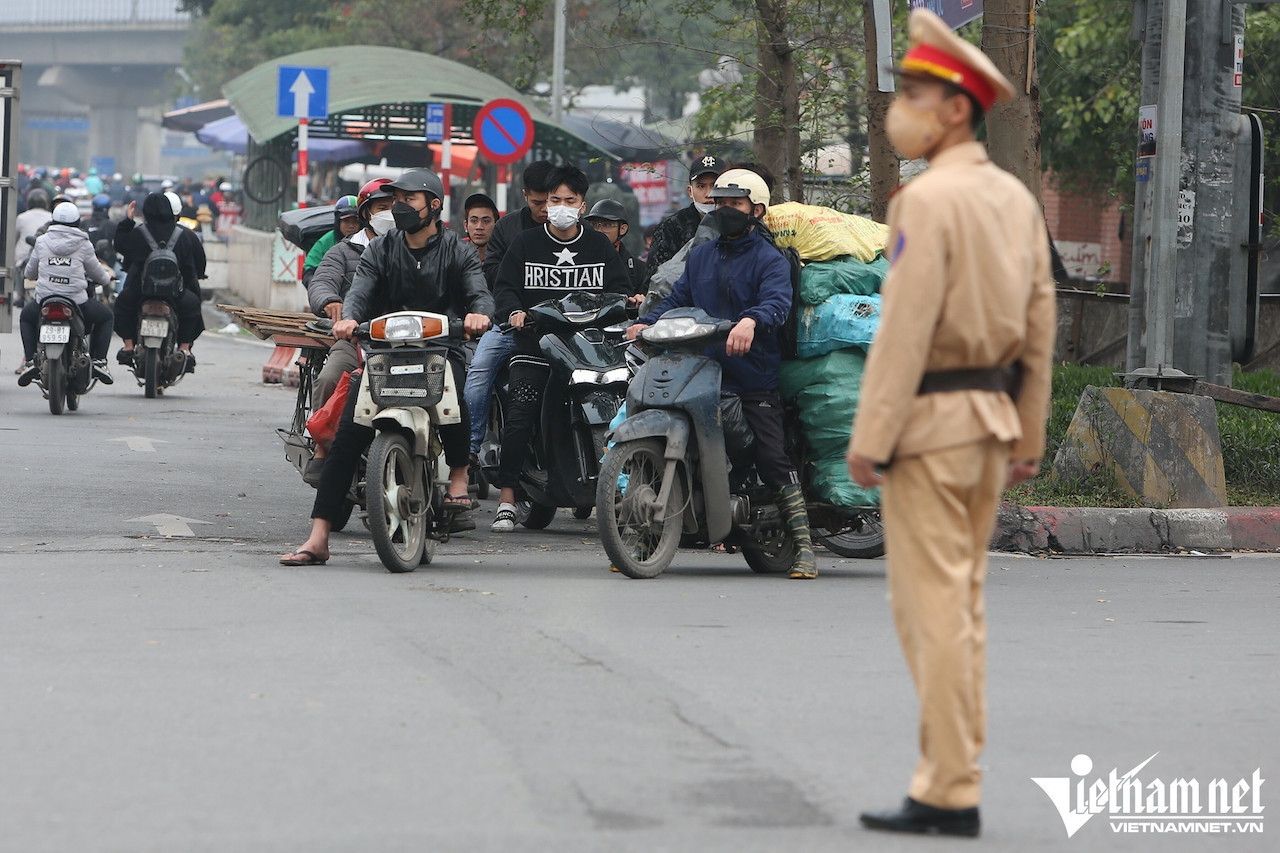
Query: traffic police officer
[(968, 306)]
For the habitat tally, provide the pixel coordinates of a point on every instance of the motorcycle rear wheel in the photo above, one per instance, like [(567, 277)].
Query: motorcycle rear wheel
[(863, 540), (771, 558), (344, 516), (56, 384), (151, 373), (398, 502), (538, 515), (639, 544)]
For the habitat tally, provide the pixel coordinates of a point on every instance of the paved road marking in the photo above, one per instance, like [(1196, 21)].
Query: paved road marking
[(171, 525), (141, 443)]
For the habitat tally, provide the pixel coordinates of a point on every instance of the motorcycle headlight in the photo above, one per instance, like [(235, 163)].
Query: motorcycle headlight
[(617, 374), (677, 328), (406, 327), (584, 376)]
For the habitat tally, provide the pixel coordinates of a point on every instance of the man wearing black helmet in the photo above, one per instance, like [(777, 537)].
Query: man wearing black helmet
[(609, 217), (420, 266)]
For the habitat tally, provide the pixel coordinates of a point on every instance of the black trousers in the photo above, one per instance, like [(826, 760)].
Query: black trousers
[(97, 320), (352, 439), (527, 378), (763, 411), (187, 306)]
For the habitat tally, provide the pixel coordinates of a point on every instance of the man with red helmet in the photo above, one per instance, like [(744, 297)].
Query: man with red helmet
[(329, 286)]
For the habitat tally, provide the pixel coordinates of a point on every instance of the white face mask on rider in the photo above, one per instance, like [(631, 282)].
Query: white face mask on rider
[(382, 222), (562, 216), (704, 209)]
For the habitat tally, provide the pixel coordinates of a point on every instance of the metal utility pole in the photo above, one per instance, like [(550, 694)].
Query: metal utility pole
[(11, 280), (557, 64)]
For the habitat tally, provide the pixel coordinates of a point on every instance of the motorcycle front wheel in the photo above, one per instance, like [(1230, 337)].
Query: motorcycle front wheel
[(55, 382), (639, 537), (398, 502)]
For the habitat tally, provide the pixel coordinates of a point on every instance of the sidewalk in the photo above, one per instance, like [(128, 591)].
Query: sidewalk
[(1100, 530)]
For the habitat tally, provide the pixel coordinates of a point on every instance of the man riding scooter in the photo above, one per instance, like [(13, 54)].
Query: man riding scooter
[(742, 277), (419, 266)]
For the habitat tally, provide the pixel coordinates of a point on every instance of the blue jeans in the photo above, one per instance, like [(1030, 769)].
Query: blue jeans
[(491, 353)]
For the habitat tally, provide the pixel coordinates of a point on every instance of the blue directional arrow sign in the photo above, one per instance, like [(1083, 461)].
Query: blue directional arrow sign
[(302, 92)]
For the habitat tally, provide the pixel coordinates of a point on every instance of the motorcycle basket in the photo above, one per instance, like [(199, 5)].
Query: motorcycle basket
[(408, 377)]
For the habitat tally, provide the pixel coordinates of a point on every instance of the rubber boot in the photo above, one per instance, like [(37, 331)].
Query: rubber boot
[(790, 500)]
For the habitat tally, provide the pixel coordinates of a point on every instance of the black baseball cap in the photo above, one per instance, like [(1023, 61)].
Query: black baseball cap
[(708, 164), (479, 200)]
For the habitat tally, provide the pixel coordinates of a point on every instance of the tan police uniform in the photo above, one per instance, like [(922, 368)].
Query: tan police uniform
[(969, 287)]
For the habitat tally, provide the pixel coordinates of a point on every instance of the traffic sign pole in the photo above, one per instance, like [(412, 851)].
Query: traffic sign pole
[(302, 162), (446, 161), (503, 188)]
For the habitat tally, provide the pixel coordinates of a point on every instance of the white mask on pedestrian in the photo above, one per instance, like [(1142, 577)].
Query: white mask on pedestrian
[(382, 222), (562, 217)]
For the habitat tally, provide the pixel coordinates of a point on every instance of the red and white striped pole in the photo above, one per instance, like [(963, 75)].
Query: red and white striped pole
[(446, 162), (302, 162)]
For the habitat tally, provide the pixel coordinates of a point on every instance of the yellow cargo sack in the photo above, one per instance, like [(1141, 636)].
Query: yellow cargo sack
[(820, 233)]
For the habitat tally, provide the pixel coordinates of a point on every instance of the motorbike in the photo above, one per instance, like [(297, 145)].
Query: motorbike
[(66, 371), (157, 362), (584, 344), (407, 391), (669, 480)]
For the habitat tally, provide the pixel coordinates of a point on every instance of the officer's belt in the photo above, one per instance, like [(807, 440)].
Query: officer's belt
[(1007, 379)]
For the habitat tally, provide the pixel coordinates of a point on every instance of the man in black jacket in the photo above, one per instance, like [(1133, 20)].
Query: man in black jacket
[(677, 229), (421, 266), (533, 214), (544, 263)]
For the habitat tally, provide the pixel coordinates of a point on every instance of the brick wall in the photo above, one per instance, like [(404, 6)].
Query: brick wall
[(1093, 235)]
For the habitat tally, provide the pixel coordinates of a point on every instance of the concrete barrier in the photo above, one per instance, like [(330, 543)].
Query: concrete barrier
[(260, 272)]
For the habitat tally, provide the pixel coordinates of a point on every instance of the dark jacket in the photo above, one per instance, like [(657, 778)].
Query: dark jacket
[(637, 270), (669, 237), (389, 278), (133, 249), (733, 279), (506, 230), (332, 278)]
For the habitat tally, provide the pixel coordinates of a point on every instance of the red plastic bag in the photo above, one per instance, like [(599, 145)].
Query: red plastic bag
[(323, 423)]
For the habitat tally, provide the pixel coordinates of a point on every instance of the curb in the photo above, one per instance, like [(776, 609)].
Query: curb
[(1097, 530)]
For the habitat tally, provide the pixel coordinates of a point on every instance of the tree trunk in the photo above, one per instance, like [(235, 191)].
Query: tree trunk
[(777, 131), (1013, 128), (884, 160)]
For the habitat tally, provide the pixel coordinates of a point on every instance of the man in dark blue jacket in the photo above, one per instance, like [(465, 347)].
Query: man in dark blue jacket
[(743, 277)]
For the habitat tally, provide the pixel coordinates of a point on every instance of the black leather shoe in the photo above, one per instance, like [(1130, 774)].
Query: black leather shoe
[(926, 820)]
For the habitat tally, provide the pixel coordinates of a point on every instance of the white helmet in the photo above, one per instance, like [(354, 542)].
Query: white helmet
[(174, 202), (224, 187), (741, 183), (66, 213)]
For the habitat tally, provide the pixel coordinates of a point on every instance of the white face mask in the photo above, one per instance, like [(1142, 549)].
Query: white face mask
[(382, 222), (704, 209), (562, 216)]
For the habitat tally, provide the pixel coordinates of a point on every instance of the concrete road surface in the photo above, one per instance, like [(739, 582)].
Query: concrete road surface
[(186, 693)]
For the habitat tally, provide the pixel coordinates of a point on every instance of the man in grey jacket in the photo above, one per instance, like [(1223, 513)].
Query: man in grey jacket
[(62, 263)]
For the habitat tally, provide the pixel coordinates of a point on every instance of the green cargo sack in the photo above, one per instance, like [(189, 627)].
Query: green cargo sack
[(827, 480), (821, 280), (845, 320)]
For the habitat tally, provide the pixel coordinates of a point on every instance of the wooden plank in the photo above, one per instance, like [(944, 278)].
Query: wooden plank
[(1223, 394)]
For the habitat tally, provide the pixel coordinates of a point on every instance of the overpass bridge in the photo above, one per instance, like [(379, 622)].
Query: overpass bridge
[(101, 65)]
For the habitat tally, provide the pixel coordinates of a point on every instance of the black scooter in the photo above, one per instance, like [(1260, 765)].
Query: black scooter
[(66, 371), (588, 381), (668, 480)]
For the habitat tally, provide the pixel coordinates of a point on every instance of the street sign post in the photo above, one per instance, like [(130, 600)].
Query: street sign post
[(11, 281), (302, 92), (503, 132)]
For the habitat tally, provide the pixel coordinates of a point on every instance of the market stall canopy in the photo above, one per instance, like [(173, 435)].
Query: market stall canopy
[(381, 93), (192, 118), (229, 134)]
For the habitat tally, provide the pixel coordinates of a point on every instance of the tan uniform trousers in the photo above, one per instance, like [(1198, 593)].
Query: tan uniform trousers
[(939, 510)]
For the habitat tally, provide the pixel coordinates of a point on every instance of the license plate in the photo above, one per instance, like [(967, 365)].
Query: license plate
[(405, 392), (401, 369), (153, 328), (55, 334)]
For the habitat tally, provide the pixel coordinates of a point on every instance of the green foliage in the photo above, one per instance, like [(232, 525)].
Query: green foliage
[(1250, 445)]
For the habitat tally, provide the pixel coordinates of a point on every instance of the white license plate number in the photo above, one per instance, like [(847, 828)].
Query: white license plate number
[(55, 334), (406, 392), (154, 328), (401, 369)]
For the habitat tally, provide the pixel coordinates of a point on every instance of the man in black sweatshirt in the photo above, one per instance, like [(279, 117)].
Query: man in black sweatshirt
[(559, 258)]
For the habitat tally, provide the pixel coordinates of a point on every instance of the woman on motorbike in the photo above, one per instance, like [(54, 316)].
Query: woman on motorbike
[(62, 263)]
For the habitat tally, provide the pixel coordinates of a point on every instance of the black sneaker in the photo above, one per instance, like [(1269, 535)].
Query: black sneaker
[(125, 357), (101, 372), (191, 363), (28, 372)]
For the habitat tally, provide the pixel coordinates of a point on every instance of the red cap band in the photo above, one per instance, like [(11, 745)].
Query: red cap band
[(926, 59)]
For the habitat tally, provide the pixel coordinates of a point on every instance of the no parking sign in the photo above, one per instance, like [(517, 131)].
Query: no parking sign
[(503, 131)]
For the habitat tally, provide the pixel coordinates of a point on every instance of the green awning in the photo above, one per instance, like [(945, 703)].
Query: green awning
[(379, 93)]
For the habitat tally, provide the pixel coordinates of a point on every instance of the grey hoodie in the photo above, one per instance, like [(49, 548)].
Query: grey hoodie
[(61, 263)]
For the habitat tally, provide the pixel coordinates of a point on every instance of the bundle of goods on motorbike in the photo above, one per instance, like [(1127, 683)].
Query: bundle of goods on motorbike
[(837, 314)]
